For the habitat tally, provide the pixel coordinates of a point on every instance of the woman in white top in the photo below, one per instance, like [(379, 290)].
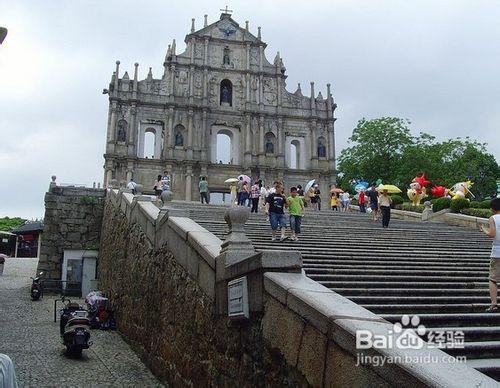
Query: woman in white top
[(384, 203), (494, 231)]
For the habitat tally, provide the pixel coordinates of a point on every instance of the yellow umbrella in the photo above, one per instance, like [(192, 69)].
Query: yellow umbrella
[(231, 180), (391, 189)]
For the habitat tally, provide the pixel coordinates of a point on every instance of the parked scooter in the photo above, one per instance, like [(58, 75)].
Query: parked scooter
[(36, 291), (74, 327)]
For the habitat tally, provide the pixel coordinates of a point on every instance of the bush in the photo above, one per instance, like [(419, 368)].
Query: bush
[(410, 208), (440, 204), (481, 204), (458, 204), (397, 199), (482, 213)]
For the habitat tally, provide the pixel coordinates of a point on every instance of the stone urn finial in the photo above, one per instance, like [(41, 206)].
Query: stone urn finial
[(166, 197), (236, 239), (427, 213), (138, 189), (53, 177)]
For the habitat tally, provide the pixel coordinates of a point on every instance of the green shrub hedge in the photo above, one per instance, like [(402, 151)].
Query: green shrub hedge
[(458, 204), (486, 204), (440, 204), (410, 208), (475, 212), (397, 200)]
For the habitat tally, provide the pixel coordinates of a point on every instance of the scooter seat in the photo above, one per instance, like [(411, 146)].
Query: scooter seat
[(72, 329), (78, 322)]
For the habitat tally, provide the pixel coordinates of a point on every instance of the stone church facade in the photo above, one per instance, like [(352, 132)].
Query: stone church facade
[(221, 84)]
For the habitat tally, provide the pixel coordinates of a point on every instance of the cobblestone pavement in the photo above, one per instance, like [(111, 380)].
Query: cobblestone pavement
[(30, 337)]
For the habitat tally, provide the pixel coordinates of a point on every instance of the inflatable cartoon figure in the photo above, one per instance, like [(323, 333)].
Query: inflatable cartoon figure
[(440, 192), (417, 190), (461, 189), (359, 185)]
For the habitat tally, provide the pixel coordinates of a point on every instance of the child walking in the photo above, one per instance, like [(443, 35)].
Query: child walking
[(296, 209), (275, 205), (334, 202)]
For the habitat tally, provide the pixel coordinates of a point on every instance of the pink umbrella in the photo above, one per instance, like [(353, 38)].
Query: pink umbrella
[(245, 178)]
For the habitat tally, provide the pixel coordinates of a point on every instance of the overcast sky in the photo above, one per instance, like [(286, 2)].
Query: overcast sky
[(436, 63)]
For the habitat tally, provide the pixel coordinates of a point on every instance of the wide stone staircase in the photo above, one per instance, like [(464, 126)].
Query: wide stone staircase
[(436, 271)]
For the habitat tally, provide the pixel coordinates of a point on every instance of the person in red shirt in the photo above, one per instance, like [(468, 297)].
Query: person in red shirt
[(362, 202)]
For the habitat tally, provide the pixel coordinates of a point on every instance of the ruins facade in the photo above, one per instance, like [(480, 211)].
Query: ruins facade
[(222, 84)]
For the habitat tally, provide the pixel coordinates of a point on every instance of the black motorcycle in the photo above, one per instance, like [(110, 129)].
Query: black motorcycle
[(74, 327), (36, 290)]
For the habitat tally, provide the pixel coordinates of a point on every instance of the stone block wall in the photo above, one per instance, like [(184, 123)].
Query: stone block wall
[(167, 313), (73, 220)]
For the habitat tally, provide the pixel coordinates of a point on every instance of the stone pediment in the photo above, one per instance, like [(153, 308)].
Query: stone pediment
[(226, 29)]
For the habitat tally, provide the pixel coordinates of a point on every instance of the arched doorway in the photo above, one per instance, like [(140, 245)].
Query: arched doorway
[(223, 148), (149, 143)]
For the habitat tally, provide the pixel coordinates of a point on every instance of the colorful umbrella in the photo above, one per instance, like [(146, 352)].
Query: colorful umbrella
[(336, 190), (231, 180), (391, 189), (245, 178), (309, 185)]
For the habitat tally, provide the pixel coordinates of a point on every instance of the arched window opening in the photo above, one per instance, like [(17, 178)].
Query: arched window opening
[(321, 147), (121, 131), (294, 154), (149, 143), (269, 143), (179, 135), (226, 92), (223, 148)]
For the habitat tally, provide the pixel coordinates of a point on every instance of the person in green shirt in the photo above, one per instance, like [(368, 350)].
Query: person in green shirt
[(296, 209)]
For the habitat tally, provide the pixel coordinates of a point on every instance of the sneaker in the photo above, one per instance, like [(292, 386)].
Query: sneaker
[(283, 238), (492, 309), (273, 238)]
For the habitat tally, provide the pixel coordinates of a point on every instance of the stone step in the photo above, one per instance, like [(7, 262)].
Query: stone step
[(419, 308), (405, 271), (451, 319), (472, 334), (488, 366), (449, 292), (478, 350), (450, 299), (404, 284)]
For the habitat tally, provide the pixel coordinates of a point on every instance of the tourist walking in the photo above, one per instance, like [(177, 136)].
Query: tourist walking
[(334, 202), (157, 187), (346, 201), (233, 190), (132, 186), (241, 182), (203, 187), (264, 192), (317, 197), (166, 181), (385, 202), (254, 196), (493, 231), (275, 208), (244, 194), (362, 201), (300, 191), (372, 194), (296, 209)]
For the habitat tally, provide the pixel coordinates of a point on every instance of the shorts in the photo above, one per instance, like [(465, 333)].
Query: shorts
[(495, 270), (158, 192), (313, 199), (295, 223), (277, 220), (374, 206)]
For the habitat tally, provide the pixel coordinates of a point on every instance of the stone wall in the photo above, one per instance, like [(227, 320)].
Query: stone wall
[(73, 218), (171, 321)]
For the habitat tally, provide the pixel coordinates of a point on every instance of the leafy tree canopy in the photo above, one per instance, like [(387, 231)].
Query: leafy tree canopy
[(7, 224), (385, 149)]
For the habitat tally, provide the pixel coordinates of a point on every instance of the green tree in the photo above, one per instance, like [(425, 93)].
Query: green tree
[(384, 148), (377, 149), (7, 224)]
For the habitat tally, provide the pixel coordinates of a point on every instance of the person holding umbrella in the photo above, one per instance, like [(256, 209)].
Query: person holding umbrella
[(385, 202)]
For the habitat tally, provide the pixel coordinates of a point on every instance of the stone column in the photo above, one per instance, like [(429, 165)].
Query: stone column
[(112, 125), (172, 83), (314, 145), (170, 133), (189, 152), (281, 142), (331, 139), (262, 155), (132, 131), (248, 140), (204, 134), (117, 77), (189, 175)]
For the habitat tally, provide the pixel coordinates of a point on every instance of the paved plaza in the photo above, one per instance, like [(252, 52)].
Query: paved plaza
[(30, 337)]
